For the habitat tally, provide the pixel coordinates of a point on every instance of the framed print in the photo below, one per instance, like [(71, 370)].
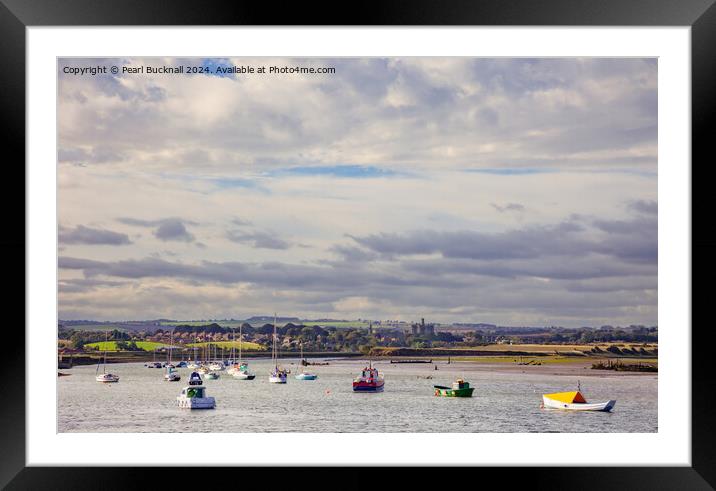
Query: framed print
[(443, 236)]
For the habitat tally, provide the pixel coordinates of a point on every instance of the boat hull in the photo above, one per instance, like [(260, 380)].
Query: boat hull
[(306, 376), (606, 406), (454, 392), (196, 402), (107, 379), (365, 387), (277, 380), (244, 376)]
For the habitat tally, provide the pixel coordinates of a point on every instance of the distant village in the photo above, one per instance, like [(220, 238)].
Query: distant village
[(325, 335)]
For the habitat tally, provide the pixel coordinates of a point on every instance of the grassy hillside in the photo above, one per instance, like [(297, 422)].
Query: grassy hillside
[(112, 345), (226, 345)]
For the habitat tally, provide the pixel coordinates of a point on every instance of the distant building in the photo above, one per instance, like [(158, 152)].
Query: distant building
[(422, 329)]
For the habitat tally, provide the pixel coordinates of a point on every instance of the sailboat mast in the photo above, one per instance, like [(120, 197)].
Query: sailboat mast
[(240, 342), (232, 354), (106, 340), (275, 353)]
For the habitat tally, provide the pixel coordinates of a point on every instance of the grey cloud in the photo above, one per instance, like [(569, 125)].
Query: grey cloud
[(588, 267), (508, 207), (579, 289), (81, 285), (646, 207), (96, 154), (352, 253), (167, 229), (173, 230), (240, 222), (632, 240), (91, 236), (259, 240), (531, 242), (269, 273)]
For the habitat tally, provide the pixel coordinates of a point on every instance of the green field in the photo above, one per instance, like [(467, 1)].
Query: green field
[(227, 345), (112, 345)]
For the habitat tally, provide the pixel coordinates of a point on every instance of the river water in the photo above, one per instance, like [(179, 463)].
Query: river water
[(503, 401)]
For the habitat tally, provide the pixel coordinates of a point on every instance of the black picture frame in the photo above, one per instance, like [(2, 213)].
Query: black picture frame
[(700, 15)]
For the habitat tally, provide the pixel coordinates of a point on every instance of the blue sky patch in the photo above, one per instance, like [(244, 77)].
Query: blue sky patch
[(511, 172), (213, 63), (347, 171)]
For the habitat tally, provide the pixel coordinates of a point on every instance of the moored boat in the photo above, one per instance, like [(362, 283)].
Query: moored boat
[(304, 375), (459, 388), (211, 375), (172, 375), (369, 380), (105, 377), (244, 375), (195, 379), (194, 397), (574, 401), (278, 375)]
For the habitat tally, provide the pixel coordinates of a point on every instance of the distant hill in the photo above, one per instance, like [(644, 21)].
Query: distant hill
[(269, 318)]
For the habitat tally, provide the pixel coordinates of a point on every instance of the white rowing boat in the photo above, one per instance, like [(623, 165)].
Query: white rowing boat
[(574, 401)]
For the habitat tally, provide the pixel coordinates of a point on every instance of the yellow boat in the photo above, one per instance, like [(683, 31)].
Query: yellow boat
[(574, 401)]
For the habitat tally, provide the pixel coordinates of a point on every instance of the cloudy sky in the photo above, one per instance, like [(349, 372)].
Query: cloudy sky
[(510, 191)]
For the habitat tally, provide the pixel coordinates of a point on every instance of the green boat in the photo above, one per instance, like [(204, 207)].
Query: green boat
[(459, 388)]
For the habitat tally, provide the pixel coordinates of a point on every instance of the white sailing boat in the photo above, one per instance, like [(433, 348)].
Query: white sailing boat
[(171, 375), (104, 376), (278, 375), (241, 369), (194, 364), (304, 375), (216, 365), (234, 367), (203, 366)]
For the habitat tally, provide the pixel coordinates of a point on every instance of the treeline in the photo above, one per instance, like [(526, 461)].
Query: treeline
[(289, 329), (352, 339), (79, 338)]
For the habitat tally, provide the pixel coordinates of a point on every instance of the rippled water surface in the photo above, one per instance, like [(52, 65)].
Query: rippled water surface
[(504, 401)]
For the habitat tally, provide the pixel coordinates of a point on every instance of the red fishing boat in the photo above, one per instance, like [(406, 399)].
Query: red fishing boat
[(368, 381)]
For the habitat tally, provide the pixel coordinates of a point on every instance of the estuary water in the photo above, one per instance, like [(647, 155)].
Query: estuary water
[(503, 401)]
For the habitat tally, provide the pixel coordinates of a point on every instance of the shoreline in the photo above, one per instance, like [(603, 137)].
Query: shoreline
[(577, 367), (569, 366)]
